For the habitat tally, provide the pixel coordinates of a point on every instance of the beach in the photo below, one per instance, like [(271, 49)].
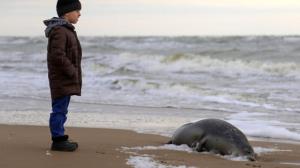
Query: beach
[(28, 147), (138, 90)]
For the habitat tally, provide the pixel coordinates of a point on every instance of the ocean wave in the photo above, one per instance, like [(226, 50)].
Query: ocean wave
[(190, 63), (196, 63)]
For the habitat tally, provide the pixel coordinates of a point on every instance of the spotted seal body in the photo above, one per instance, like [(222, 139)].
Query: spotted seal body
[(214, 135)]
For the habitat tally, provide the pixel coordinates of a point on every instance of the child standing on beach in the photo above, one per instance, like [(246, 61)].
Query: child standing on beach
[(64, 69)]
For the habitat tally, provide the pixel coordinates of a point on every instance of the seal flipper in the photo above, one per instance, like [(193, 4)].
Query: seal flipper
[(198, 145), (170, 142)]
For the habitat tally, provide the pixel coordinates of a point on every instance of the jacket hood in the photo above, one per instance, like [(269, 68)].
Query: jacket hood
[(55, 21)]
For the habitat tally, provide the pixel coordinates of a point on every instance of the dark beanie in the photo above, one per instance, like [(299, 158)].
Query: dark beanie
[(65, 6)]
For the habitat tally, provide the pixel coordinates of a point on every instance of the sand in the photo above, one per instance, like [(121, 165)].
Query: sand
[(28, 147)]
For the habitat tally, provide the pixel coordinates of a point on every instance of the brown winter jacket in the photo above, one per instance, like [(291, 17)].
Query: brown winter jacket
[(64, 62)]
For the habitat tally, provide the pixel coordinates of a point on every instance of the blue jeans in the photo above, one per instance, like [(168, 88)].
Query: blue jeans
[(58, 116)]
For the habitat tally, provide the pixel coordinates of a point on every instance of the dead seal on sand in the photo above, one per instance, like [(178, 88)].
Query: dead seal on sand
[(214, 135)]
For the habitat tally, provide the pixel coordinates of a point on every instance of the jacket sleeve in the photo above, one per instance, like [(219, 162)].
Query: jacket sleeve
[(58, 57)]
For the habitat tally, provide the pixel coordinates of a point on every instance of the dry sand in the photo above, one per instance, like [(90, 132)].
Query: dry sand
[(28, 147)]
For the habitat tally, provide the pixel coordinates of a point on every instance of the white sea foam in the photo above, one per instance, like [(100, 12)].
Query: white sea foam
[(148, 162), (262, 150), (254, 127), (183, 148), (291, 163), (235, 158)]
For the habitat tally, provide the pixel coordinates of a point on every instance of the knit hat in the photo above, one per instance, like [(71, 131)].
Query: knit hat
[(65, 6)]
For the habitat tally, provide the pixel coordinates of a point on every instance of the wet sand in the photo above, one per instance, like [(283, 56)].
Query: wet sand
[(28, 147)]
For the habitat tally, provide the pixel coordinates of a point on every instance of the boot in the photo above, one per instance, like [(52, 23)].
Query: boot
[(63, 144)]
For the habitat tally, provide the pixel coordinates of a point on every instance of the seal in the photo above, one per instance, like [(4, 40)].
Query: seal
[(214, 135)]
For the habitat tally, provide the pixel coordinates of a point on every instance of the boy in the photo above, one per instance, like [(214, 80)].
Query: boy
[(64, 69)]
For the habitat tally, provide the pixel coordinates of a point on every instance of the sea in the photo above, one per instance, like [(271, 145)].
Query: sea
[(155, 84)]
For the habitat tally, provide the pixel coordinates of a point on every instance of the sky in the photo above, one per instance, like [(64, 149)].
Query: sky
[(158, 17)]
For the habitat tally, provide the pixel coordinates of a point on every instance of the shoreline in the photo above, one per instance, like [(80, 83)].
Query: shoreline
[(28, 146), (160, 121), (256, 139), (253, 139)]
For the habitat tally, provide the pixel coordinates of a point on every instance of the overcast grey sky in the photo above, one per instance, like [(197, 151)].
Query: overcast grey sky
[(159, 17)]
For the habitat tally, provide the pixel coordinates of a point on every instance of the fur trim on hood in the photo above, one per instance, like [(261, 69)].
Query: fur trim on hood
[(55, 21)]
